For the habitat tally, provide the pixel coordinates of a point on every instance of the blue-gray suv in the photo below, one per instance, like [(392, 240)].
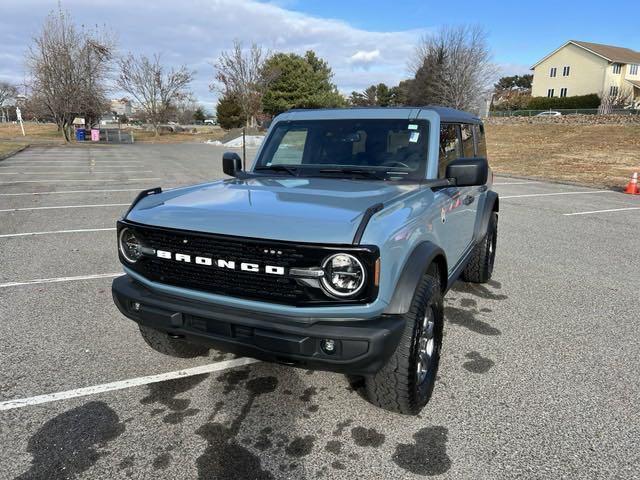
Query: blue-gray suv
[(333, 251)]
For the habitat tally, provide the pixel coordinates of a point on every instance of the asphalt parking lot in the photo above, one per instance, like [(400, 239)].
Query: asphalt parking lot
[(539, 376)]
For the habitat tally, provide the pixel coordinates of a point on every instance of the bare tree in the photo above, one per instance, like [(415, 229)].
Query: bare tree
[(155, 89), (68, 69), (184, 109), (240, 75), (8, 91), (453, 68), (615, 98)]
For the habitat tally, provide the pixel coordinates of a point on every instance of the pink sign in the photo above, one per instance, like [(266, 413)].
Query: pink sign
[(95, 135)]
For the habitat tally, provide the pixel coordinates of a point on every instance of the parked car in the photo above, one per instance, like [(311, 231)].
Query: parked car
[(210, 121), (550, 113), (332, 252)]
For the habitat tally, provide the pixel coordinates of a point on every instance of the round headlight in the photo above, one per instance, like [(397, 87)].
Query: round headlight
[(344, 275), (130, 245)]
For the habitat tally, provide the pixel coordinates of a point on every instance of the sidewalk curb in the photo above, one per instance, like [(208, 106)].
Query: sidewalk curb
[(11, 154)]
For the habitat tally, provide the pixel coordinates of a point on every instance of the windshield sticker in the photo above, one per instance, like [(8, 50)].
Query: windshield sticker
[(413, 126), (413, 138)]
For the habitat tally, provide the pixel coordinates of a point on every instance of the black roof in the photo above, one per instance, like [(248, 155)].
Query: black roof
[(446, 114)]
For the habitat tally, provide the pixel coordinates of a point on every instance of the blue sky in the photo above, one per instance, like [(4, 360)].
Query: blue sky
[(365, 42), (520, 33)]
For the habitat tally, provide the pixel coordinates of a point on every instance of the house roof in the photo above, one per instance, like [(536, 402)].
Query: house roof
[(608, 52), (635, 83), (613, 54)]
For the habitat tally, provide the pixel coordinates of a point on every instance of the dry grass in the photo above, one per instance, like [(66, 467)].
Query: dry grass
[(598, 155), (47, 133), (7, 148), (202, 135), (35, 133)]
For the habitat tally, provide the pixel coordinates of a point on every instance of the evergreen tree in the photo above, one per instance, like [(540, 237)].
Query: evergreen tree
[(199, 115), (296, 81), (229, 112)]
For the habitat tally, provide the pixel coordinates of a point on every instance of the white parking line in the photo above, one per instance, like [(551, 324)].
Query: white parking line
[(122, 384), (75, 173), (60, 279), (601, 211), (59, 207), (82, 180), (52, 232), (556, 193), (64, 192)]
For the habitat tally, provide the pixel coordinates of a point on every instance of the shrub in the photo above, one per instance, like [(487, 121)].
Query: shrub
[(579, 101)]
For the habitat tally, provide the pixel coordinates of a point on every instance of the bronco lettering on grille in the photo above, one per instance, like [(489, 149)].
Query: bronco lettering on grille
[(221, 263)]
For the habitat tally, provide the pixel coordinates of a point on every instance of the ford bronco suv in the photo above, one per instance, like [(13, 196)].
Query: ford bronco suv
[(333, 251)]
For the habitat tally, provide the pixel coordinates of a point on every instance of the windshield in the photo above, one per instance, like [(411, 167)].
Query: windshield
[(384, 148)]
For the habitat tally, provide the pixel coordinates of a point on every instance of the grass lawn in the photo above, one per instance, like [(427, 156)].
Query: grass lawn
[(203, 134), (35, 133), (9, 147), (47, 133), (598, 155)]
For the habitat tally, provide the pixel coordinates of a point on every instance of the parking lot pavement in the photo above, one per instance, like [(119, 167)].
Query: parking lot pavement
[(538, 377)]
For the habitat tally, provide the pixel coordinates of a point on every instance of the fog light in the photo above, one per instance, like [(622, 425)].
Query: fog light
[(136, 306), (328, 346)]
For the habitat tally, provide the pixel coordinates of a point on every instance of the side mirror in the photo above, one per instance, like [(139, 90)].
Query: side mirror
[(231, 163), (468, 172)]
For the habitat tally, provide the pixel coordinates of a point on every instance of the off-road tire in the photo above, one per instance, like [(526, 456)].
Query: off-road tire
[(395, 387), (480, 266), (163, 343)]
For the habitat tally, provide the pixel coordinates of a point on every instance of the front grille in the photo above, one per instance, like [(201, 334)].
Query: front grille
[(242, 284)]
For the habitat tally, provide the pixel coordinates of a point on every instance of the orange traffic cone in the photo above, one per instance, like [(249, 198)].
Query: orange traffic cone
[(632, 186)]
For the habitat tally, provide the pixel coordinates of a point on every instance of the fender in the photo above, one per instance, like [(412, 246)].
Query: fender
[(141, 195), (415, 267), (491, 204)]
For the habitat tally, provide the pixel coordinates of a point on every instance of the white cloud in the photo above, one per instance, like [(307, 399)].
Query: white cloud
[(195, 32), (363, 57)]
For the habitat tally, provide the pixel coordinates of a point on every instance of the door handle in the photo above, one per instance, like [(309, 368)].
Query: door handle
[(468, 200)]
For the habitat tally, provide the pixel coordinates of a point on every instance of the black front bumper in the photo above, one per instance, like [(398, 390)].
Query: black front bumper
[(362, 345)]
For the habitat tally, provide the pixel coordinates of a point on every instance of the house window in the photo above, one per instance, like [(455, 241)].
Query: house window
[(565, 71), (633, 69), (613, 91), (617, 68), (563, 92), (553, 72), (550, 92)]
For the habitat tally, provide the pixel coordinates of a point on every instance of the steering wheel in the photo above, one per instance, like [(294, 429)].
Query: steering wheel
[(395, 163)]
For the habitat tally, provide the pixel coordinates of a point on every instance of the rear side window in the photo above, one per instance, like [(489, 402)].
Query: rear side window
[(468, 150), (450, 146), (481, 142)]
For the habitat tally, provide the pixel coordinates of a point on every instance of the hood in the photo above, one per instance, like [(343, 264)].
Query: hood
[(312, 210)]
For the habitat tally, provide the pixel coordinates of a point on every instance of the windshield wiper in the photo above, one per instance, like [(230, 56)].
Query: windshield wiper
[(355, 171), (279, 168)]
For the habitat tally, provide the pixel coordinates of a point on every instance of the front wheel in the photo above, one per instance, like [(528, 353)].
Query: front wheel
[(480, 266), (405, 383)]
